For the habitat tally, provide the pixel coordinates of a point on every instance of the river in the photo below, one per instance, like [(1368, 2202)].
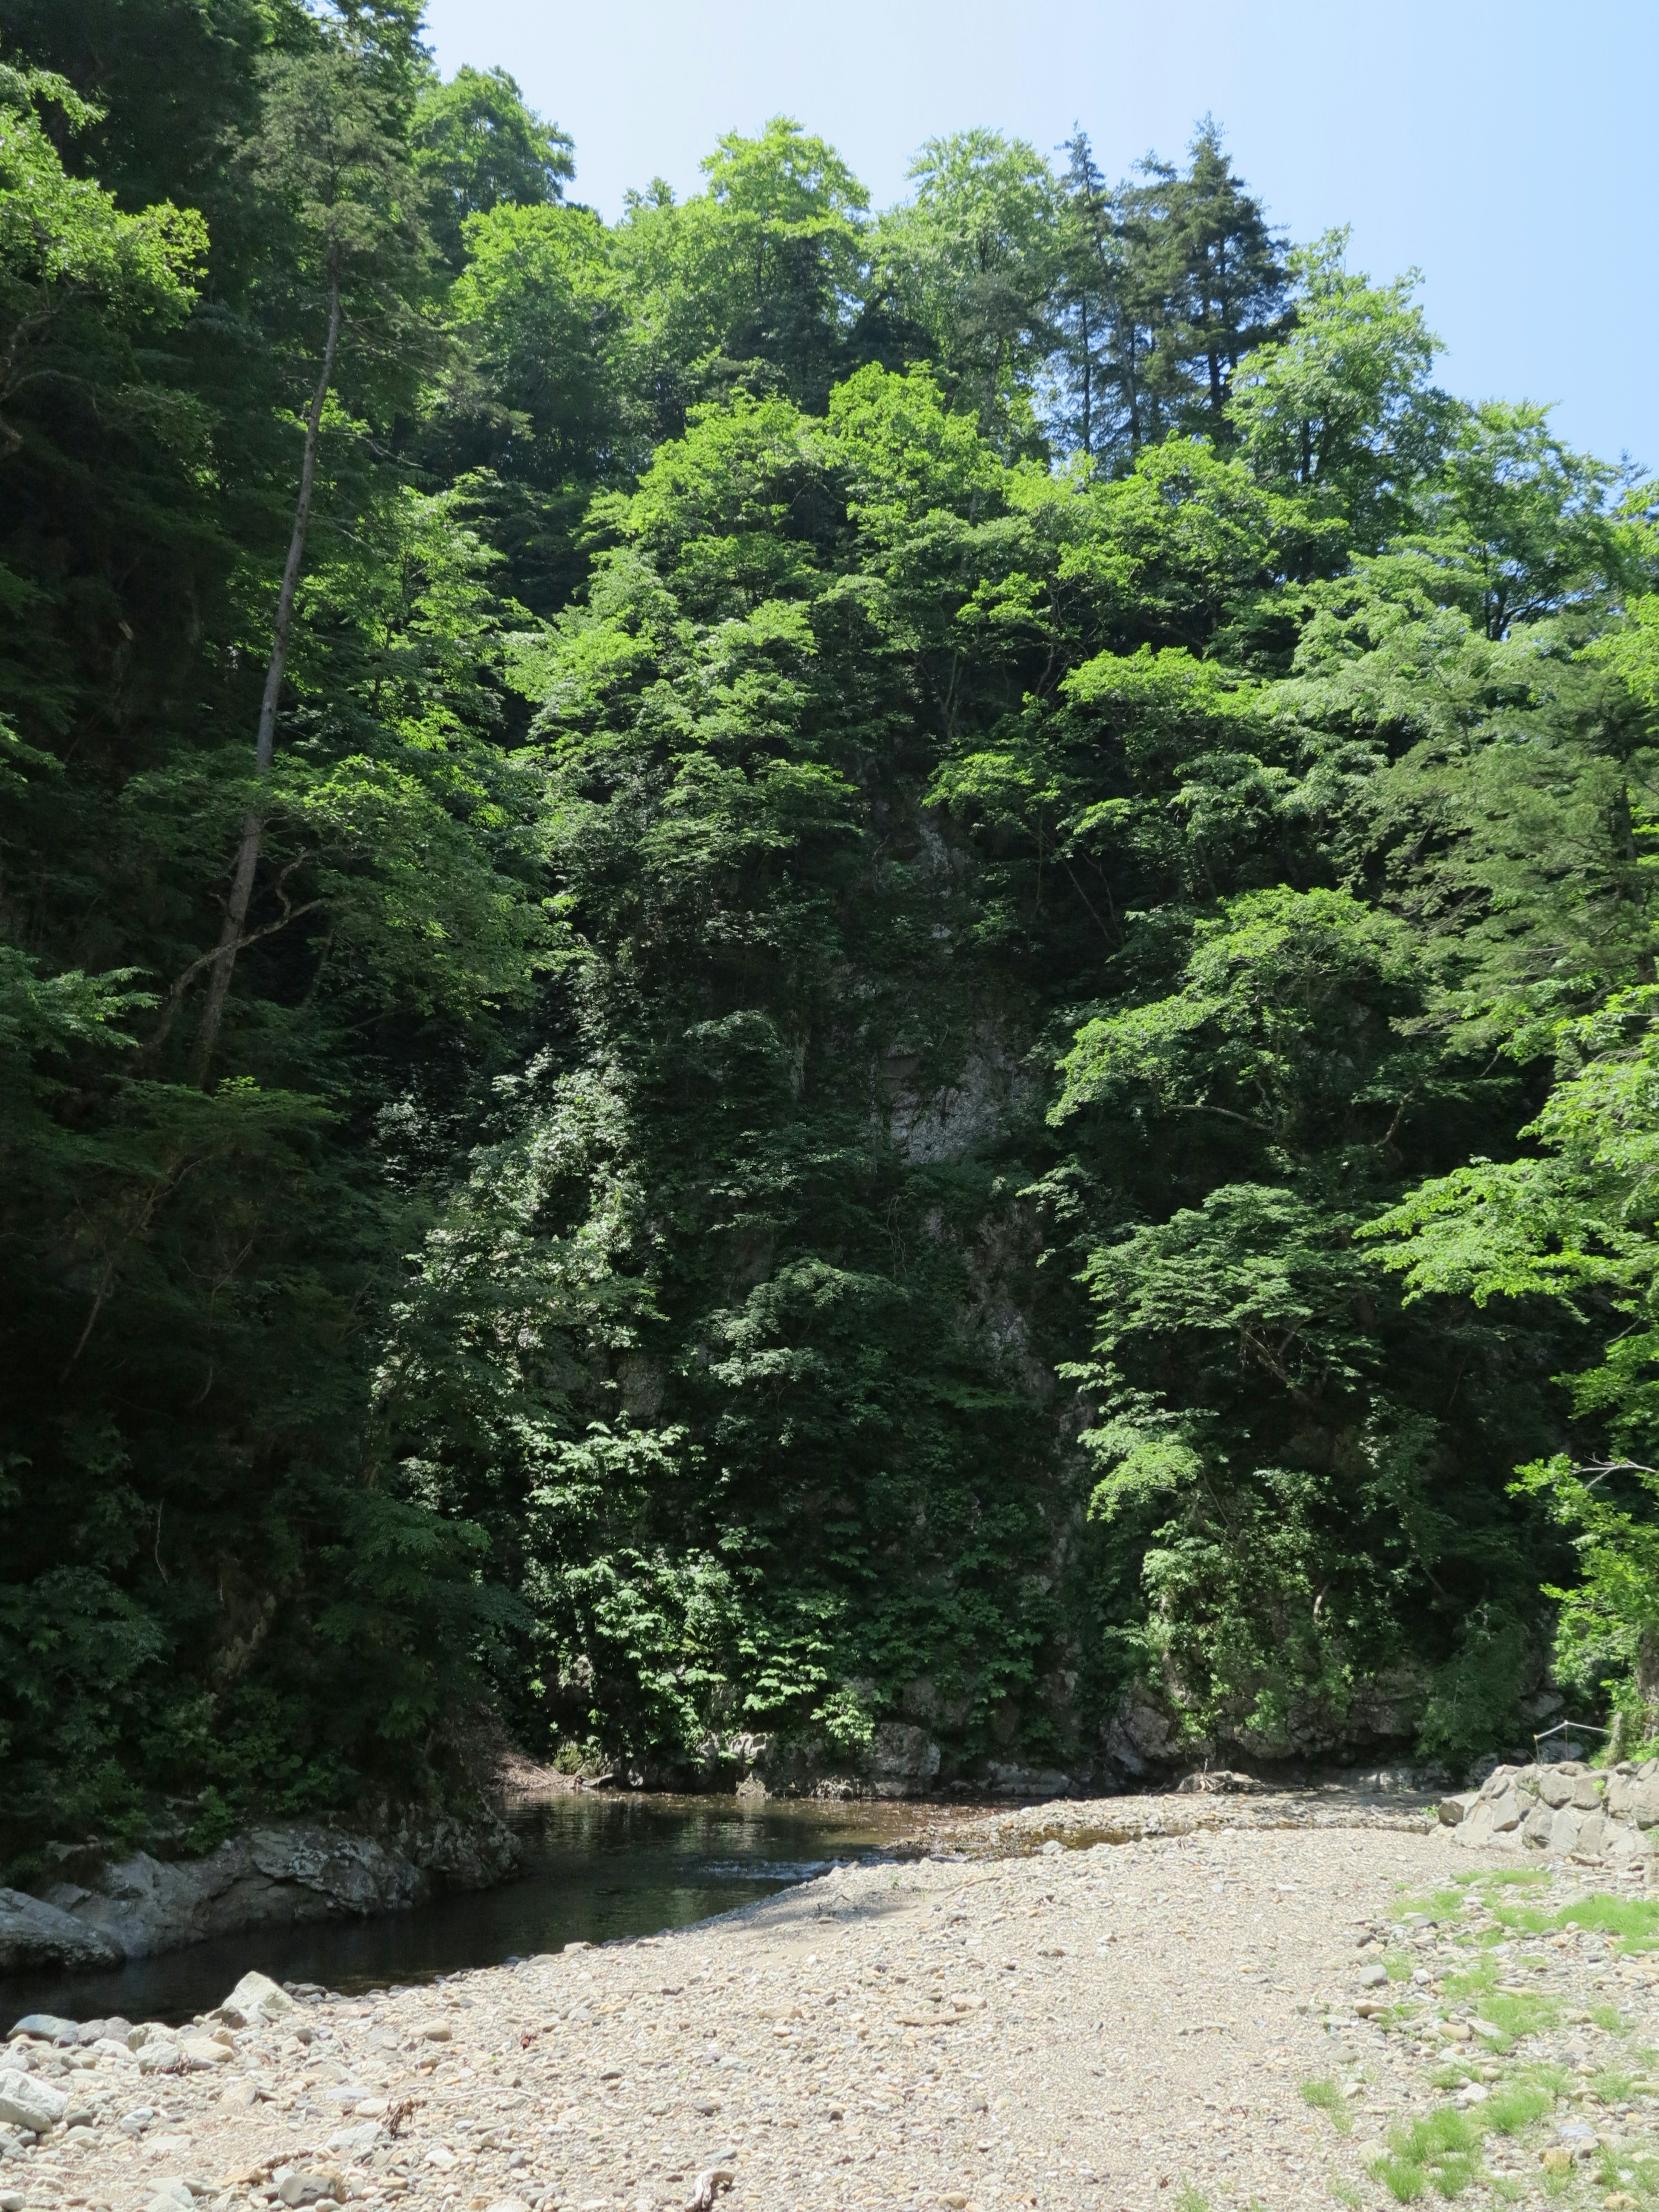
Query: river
[(596, 1868)]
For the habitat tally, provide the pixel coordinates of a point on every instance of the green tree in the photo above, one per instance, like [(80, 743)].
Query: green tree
[(479, 147)]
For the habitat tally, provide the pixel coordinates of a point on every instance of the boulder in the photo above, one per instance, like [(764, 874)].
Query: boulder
[(1506, 1811), (1480, 1830), (25, 2101), (1536, 1828), (1593, 1831), (33, 1934), (199, 2052), (255, 2001), (1564, 1829), (1456, 1809), (46, 2027), (1587, 1792), (1554, 1787)]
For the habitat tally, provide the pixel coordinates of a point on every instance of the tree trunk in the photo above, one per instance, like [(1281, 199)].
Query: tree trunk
[(248, 854)]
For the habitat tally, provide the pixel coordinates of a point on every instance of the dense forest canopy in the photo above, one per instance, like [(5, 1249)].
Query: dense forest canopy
[(784, 970)]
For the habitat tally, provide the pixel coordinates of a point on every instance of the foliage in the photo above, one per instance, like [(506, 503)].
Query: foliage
[(945, 1014)]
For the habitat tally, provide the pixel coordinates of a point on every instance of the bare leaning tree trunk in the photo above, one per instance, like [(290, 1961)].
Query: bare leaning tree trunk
[(248, 854)]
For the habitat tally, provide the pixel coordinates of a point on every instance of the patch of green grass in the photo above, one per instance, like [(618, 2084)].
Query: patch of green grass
[(1439, 1904), (1612, 2085), (1345, 2194), (1513, 1878), (1190, 2198), (1325, 2097), (1450, 2077), (1400, 1965), (1442, 2149), (1516, 2106), (1633, 1920), (1402, 2179), (1609, 2019), (1475, 1981), (1516, 2015)]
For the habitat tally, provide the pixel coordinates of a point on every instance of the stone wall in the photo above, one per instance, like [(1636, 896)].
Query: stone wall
[(1569, 1810)]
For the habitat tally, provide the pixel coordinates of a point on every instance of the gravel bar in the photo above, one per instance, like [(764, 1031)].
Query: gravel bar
[(1080, 2022)]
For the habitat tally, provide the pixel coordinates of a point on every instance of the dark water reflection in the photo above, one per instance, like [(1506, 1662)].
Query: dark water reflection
[(595, 1868)]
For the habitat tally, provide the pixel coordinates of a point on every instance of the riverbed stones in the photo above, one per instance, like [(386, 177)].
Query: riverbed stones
[(1136, 2014)]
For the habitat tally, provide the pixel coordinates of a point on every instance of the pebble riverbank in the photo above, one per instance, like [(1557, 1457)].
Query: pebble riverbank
[(1257, 2014)]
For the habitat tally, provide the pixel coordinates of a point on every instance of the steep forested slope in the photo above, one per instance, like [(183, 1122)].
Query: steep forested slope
[(776, 969)]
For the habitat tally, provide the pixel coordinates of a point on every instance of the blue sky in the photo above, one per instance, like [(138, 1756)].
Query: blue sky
[(1500, 149)]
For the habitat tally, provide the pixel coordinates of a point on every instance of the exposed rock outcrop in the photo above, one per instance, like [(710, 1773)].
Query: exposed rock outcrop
[(33, 1934), (302, 1872)]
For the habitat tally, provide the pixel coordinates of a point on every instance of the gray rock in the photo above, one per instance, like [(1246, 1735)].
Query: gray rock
[(289, 1874), (1374, 1978), (1476, 1830), (1586, 1793), (1456, 1809), (1554, 1787), (1622, 1844), (46, 2027), (33, 1934), (1536, 1828), (904, 1760), (1499, 1781), (357, 2142), (1592, 1834), (255, 1999), (1506, 1811), (1564, 1829), (25, 2101), (1644, 1801)]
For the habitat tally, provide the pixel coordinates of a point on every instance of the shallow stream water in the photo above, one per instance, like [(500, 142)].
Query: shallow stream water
[(596, 1868)]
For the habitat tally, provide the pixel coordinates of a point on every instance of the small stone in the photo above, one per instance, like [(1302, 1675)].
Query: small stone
[(707, 2186), (171, 2196), (1373, 1977), (357, 2142), (436, 2030), (1556, 2159), (1621, 2201), (11, 2200), (1487, 2028), (509, 2204)]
